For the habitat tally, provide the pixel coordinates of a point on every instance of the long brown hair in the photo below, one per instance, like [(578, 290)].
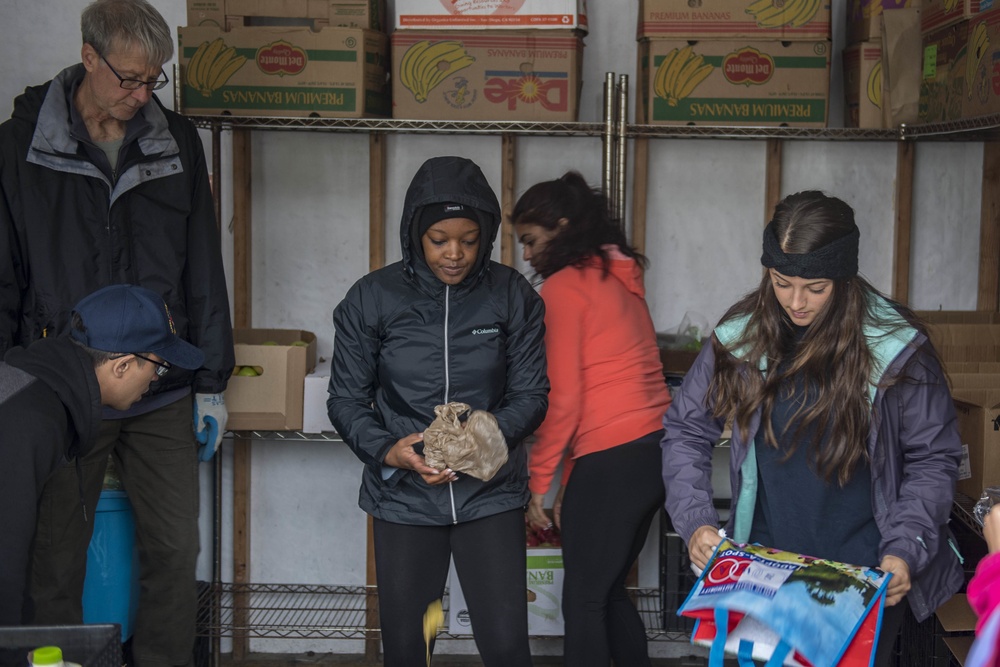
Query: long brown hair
[(589, 227), (833, 358)]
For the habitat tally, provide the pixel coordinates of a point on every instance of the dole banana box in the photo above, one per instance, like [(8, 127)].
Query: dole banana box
[(491, 14), (270, 71), (942, 79), (799, 20), (527, 75), (733, 83), (863, 85), (937, 14), (863, 22), (982, 66), (316, 14)]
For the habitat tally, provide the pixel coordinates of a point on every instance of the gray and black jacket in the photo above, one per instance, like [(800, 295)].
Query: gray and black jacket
[(406, 342), (70, 225)]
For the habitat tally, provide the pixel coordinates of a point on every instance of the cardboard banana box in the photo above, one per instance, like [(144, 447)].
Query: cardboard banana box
[(733, 83), (863, 85), (982, 66), (798, 20), (490, 14), (937, 14), (527, 75), (942, 81), (332, 73), (863, 17), (316, 14)]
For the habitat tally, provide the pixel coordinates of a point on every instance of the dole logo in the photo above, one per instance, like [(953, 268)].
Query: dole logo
[(281, 58), (748, 66), (552, 94)]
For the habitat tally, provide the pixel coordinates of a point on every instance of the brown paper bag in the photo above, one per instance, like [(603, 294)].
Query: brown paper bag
[(476, 448), (901, 63)]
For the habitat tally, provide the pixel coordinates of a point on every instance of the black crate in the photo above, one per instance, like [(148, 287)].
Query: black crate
[(87, 645)]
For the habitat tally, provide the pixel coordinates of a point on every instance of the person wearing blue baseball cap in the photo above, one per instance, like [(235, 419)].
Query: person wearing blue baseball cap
[(121, 339)]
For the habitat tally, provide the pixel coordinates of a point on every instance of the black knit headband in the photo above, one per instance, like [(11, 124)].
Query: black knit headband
[(838, 259)]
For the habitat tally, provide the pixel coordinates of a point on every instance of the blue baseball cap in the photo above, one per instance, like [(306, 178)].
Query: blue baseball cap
[(132, 319)]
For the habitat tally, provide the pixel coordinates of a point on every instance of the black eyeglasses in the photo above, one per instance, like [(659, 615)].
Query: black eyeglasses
[(161, 366), (135, 84)]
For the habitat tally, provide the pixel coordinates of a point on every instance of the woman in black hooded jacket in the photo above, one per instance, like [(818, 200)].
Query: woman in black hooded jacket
[(444, 324)]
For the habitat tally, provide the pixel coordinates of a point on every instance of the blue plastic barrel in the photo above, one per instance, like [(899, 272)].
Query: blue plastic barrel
[(111, 588)]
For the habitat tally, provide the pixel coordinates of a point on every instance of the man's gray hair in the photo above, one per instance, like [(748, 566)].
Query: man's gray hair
[(124, 24)]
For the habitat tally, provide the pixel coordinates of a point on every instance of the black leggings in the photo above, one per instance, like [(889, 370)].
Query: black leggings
[(609, 505), (412, 568)]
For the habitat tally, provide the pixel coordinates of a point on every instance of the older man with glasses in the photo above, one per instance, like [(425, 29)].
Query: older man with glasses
[(101, 184)]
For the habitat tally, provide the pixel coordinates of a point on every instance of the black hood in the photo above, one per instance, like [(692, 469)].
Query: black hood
[(69, 371), (450, 179)]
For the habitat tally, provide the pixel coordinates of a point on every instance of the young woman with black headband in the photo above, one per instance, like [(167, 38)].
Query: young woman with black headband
[(844, 440)]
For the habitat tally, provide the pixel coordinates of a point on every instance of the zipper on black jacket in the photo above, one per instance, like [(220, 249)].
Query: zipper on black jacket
[(447, 385)]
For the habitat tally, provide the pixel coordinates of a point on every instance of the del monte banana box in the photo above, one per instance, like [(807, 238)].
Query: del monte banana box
[(863, 85), (532, 75), (733, 83), (800, 20), (271, 71), (982, 66)]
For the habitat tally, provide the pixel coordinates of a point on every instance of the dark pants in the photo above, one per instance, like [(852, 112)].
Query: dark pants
[(490, 559), (609, 505), (157, 457)]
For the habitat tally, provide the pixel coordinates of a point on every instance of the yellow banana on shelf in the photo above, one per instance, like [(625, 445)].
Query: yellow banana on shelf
[(874, 88), (427, 64), (212, 65), (979, 44), (679, 73)]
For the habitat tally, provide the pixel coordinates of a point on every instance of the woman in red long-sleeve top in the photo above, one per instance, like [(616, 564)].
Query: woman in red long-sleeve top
[(606, 407)]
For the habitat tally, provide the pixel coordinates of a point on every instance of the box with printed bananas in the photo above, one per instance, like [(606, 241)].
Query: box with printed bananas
[(863, 22), (492, 14), (982, 75), (942, 82), (799, 20), (733, 83), (266, 389), (863, 85), (937, 14), (332, 73), (532, 75), (316, 14)]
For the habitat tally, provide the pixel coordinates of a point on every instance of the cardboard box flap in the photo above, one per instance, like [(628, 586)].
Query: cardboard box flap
[(983, 398), (976, 381), (956, 615), (959, 646)]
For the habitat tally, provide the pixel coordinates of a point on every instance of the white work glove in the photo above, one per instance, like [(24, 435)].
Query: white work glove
[(210, 417)]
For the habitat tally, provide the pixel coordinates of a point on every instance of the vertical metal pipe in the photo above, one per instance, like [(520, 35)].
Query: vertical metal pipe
[(622, 148), (607, 139), (216, 174), (215, 631)]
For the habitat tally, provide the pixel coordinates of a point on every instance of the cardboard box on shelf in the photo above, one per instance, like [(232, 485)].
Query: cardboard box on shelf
[(272, 399), (315, 418), (738, 83), (863, 85), (492, 14), (532, 75), (982, 66), (316, 14), (799, 20), (964, 342), (942, 84), (937, 14), (863, 17), (271, 71), (957, 622), (543, 593), (959, 316), (978, 413)]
